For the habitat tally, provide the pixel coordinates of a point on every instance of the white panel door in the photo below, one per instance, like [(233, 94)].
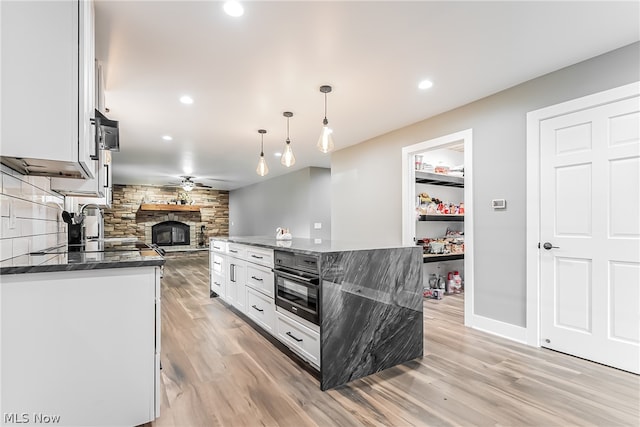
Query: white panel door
[(590, 214)]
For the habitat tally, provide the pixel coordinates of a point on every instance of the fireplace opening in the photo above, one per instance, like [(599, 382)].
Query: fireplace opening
[(170, 233)]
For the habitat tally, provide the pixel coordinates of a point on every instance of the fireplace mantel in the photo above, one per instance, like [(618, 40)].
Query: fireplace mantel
[(168, 207)]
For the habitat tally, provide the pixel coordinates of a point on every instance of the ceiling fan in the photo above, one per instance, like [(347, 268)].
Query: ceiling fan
[(187, 183)]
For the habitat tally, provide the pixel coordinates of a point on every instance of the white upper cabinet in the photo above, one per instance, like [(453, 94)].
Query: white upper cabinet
[(48, 88)]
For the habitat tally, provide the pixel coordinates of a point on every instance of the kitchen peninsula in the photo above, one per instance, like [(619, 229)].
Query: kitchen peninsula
[(363, 315), (81, 334)]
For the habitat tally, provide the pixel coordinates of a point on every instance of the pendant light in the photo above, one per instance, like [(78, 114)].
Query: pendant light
[(262, 168), (325, 142), (288, 159)]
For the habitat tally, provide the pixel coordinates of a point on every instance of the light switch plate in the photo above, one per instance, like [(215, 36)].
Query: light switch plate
[(499, 204)]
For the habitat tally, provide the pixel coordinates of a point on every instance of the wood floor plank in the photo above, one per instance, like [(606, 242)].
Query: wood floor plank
[(219, 371)]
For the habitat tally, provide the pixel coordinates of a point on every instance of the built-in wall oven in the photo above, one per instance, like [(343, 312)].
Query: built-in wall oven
[(298, 284)]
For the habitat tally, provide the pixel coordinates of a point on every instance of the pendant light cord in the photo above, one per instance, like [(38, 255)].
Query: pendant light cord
[(325, 121), (288, 140)]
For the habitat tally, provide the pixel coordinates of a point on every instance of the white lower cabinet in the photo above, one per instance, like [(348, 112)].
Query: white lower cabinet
[(235, 283), (217, 273), (299, 338), (261, 309), (83, 346)]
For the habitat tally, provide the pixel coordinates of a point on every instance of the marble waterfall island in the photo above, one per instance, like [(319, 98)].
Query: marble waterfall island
[(371, 312), (370, 305)]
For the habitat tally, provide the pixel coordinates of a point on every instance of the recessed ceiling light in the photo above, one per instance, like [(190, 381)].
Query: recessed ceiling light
[(186, 99), (425, 84), (233, 8), (167, 137)]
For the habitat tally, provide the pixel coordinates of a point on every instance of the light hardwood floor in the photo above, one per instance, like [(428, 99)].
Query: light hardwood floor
[(218, 371)]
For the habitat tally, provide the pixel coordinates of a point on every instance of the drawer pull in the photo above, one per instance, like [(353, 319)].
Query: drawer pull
[(257, 278), (232, 251), (216, 263), (256, 256), (217, 284), (292, 336), (259, 309)]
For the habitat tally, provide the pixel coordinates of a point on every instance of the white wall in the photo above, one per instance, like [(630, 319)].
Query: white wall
[(367, 182), (296, 201), (30, 214)]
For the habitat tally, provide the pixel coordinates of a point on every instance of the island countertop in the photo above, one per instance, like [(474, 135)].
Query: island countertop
[(92, 255), (305, 245)]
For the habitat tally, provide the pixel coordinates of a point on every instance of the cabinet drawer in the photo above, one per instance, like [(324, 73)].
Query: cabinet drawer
[(299, 338), (260, 278), (237, 251), (217, 263), (261, 309), (260, 256), (217, 285), (218, 246)]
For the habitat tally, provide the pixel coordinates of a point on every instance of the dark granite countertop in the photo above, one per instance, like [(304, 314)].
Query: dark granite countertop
[(304, 245), (93, 255)]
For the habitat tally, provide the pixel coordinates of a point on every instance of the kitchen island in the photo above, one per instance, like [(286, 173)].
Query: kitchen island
[(369, 310), (81, 334)]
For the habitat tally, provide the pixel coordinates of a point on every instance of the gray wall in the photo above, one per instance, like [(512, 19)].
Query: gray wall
[(296, 200), (367, 186)]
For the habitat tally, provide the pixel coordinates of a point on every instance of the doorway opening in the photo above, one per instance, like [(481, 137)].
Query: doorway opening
[(437, 209)]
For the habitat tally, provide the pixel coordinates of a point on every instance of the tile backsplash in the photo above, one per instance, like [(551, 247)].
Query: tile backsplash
[(30, 214)]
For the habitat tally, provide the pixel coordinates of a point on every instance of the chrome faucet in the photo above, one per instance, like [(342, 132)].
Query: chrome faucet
[(81, 214)]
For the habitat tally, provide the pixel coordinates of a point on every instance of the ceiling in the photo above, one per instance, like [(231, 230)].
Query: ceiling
[(244, 72)]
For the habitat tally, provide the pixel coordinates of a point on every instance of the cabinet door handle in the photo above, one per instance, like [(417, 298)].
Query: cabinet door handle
[(97, 138), (259, 309), (257, 278), (107, 175), (292, 336), (233, 272), (216, 263)]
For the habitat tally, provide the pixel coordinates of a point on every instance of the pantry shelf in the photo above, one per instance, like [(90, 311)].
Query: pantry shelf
[(441, 257), (442, 217), (439, 179)]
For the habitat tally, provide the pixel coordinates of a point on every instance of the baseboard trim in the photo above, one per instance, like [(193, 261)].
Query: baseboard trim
[(498, 328)]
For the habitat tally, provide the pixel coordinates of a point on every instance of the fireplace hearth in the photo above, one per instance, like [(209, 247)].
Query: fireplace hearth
[(171, 233)]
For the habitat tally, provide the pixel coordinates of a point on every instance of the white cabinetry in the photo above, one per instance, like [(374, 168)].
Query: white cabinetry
[(299, 338), (236, 281), (84, 345), (242, 276), (48, 87), (218, 268)]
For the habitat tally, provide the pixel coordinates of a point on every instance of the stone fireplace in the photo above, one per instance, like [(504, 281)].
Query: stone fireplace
[(126, 218)]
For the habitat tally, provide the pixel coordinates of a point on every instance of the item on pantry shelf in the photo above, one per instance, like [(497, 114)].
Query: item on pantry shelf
[(450, 283), (442, 169), (461, 209), (436, 293), (458, 282), (441, 283), (418, 162), (433, 281), (424, 198)]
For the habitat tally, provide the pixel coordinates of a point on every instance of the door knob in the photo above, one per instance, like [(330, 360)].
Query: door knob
[(548, 246)]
